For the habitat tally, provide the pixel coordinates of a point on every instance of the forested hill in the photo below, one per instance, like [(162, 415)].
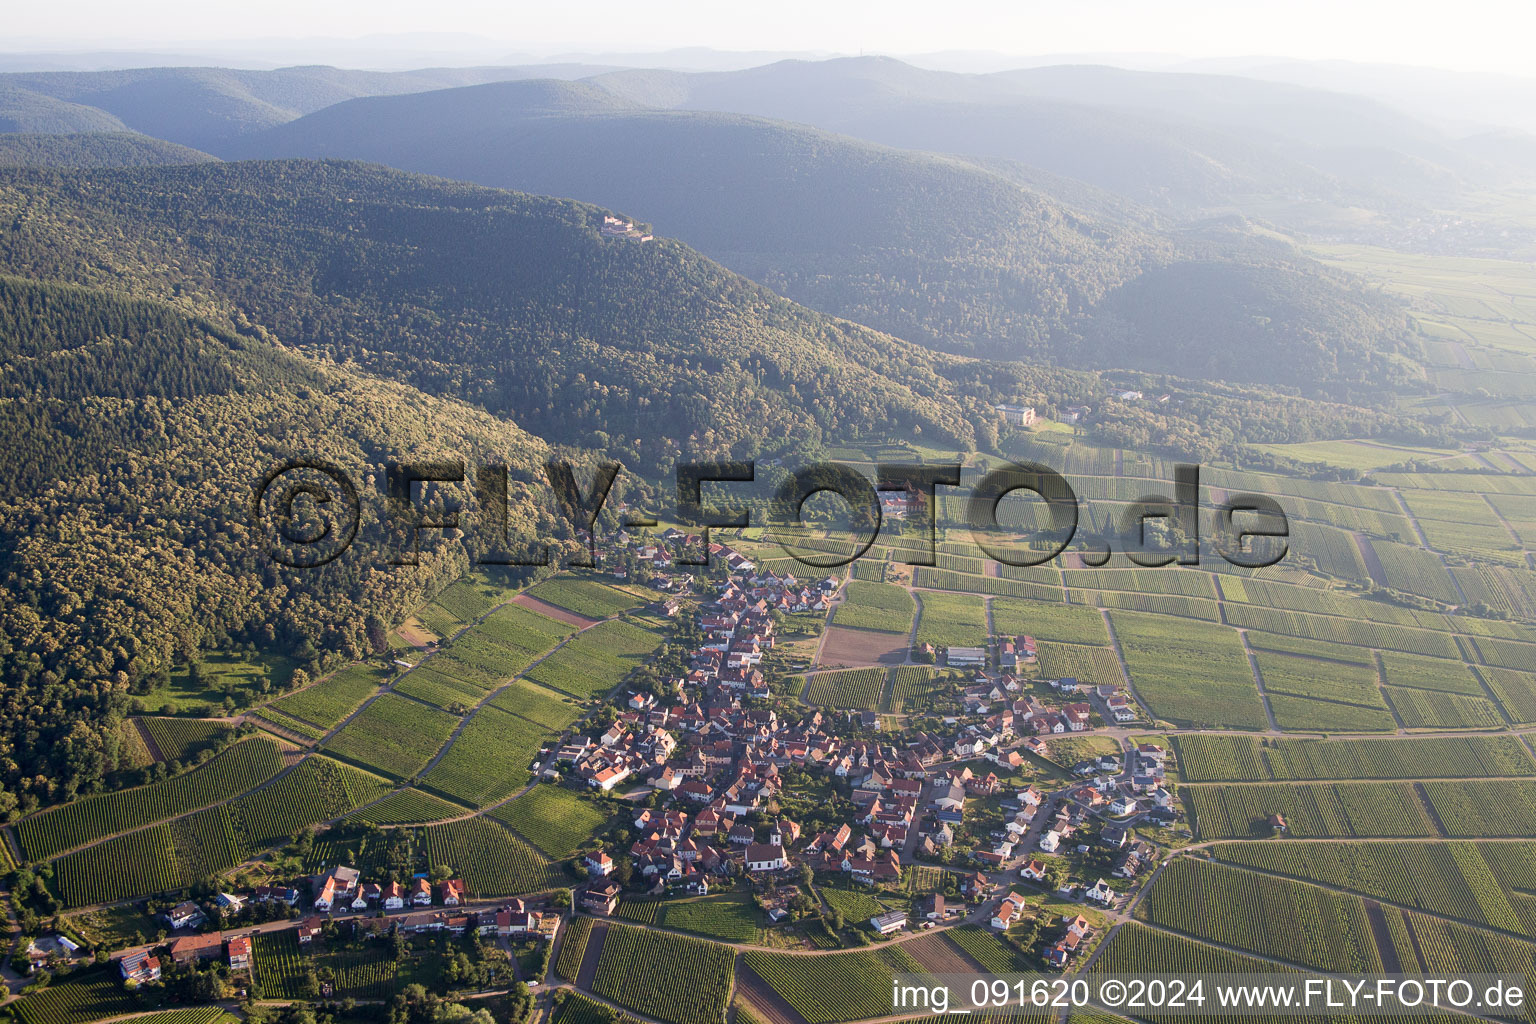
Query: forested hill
[(516, 303), (132, 436), (932, 249), (94, 149)]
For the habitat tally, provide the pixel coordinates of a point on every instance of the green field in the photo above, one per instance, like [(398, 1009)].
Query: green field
[(664, 976), (489, 760), (490, 860), (882, 607), (1190, 673), (597, 660), (327, 702), (951, 620), (584, 597), (858, 688), (1059, 622), (835, 987), (730, 917), (394, 735), (1240, 908), (556, 820), (1311, 810), (228, 775)]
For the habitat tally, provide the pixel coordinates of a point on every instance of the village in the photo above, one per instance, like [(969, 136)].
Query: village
[(980, 797)]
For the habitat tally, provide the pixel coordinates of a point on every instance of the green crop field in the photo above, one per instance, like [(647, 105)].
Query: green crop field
[(597, 660), (1137, 949), (178, 738), (913, 688), (664, 976), (952, 620), (1427, 709), (855, 688), (1303, 714), (883, 607), (730, 917), (490, 860), (489, 760), (394, 735), (987, 948), (1248, 759), (231, 773), (1096, 666), (1452, 879), (556, 820), (1484, 807), (573, 947), (408, 807), (554, 711), (1190, 673), (1429, 674), (1323, 680), (87, 996), (327, 702), (835, 987), (1002, 585), (585, 597), (854, 902), (1058, 622), (1311, 810), (1239, 908), (450, 693), (317, 790)]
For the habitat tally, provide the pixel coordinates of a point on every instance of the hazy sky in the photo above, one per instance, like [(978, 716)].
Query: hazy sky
[(1485, 35)]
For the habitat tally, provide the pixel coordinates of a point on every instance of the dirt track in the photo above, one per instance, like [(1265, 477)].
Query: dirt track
[(533, 604)]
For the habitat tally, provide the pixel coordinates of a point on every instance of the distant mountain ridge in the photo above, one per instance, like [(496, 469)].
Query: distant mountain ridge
[(935, 249)]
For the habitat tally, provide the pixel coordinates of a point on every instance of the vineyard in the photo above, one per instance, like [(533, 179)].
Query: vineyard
[(553, 819), (665, 976), (596, 660), (997, 586), (332, 699), (489, 760), (490, 860), (835, 987), (855, 688), (1212, 758), (573, 948), (1328, 680), (882, 607), (994, 953), (1427, 709), (394, 736), (447, 692), (1482, 807), (1191, 673), (1239, 908), (319, 789), (554, 711), (1311, 810), (409, 806), (87, 996), (585, 597), (1096, 666), (730, 917), (952, 620), (1451, 879), (227, 775), (913, 688), (178, 738), (1061, 623)]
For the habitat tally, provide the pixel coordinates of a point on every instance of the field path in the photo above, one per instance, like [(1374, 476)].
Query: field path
[(1258, 677), (1125, 669)]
